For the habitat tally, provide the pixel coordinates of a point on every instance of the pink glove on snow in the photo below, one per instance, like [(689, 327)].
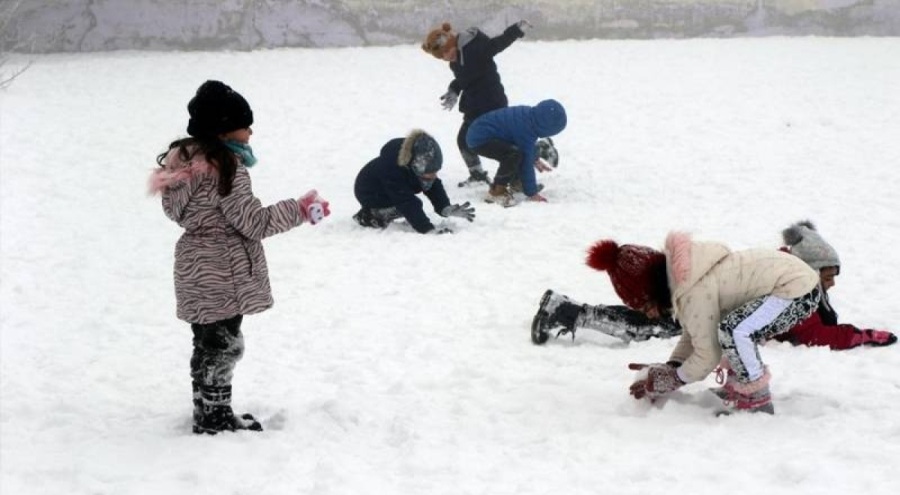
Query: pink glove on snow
[(880, 337), (876, 338), (313, 208)]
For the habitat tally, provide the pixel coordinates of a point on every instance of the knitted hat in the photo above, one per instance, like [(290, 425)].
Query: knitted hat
[(806, 243), (637, 273), (549, 118), (217, 109), (421, 153), (438, 39)]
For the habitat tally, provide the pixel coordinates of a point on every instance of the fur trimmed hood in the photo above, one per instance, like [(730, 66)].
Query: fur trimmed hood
[(420, 153), (406, 149), (176, 172), (689, 260)]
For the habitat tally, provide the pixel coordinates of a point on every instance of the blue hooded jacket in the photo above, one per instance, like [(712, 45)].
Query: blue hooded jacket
[(520, 125)]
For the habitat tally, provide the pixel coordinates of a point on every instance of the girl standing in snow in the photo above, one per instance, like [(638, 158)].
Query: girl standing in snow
[(727, 302), (220, 266)]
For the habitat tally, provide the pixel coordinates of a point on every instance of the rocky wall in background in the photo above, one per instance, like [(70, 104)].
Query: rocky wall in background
[(41, 26)]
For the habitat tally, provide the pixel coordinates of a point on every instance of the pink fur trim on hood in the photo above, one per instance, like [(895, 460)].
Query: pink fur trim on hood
[(678, 248), (175, 171)]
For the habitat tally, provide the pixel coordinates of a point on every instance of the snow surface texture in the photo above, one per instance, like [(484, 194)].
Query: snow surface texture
[(398, 363)]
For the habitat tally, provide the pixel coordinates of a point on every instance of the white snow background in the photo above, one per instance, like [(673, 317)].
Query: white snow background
[(399, 363)]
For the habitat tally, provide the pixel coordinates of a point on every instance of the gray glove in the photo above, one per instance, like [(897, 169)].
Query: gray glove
[(524, 26), (448, 99), (464, 210), (441, 230)]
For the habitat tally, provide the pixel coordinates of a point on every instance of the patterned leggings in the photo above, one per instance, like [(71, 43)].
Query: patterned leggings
[(217, 349), (757, 321)]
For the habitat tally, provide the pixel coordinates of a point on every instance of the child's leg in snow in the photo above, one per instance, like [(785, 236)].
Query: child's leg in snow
[(757, 321), (625, 323)]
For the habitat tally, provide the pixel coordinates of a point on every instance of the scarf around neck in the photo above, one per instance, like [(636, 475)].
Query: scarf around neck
[(243, 151)]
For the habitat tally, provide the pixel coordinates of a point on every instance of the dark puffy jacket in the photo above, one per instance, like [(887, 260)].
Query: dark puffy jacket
[(520, 125), (475, 74), (384, 183)]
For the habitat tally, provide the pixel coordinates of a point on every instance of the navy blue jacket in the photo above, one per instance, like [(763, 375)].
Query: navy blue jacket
[(475, 74), (383, 183)]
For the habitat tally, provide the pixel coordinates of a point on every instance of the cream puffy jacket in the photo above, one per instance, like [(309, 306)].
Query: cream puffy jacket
[(708, 281)]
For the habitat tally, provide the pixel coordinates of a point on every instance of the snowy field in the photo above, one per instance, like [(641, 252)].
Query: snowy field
[(397, 363)]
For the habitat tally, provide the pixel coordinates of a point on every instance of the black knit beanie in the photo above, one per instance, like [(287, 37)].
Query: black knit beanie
[(217, 109)]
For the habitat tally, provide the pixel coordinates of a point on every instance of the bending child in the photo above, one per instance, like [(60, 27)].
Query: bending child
[(476, 81), (509, 135), (728, 303), (387, 186)]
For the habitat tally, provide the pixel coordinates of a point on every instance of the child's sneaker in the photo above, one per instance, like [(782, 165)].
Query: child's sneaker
[(499, 194), (475, 177), (516, 187)]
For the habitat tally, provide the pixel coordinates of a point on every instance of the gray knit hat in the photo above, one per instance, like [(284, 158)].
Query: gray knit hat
[(806, 243)]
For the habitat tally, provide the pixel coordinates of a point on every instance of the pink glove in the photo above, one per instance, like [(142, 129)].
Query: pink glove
[(878, 338), (542, 166), (313, 208), (661, 379)]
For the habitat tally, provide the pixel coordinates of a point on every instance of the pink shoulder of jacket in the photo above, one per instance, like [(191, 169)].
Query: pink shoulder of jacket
[(678, 249), (176, 171)]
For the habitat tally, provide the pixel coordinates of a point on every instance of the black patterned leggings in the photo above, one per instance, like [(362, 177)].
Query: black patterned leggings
[(217, 349), (757, 321)]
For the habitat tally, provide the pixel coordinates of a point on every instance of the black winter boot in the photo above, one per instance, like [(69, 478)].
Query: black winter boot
[(366, 218), (216, 414), (555, 312), (198, 402)]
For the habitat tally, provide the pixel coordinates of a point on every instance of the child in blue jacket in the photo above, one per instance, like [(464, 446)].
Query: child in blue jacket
[(508, 135)]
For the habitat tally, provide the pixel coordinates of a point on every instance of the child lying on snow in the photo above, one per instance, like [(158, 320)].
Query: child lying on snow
[(560, 314)]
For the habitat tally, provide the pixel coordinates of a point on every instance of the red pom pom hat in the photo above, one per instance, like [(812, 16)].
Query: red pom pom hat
[(637, 273)]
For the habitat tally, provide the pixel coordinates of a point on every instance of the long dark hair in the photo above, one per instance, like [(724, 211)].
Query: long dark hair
[(216, 153)]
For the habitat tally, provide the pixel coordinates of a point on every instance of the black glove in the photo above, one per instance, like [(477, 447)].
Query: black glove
[(464, 210)]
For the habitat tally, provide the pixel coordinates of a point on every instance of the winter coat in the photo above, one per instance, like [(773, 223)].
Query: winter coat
[(520, 125), (475, 74), (822, 329), (384, 183), (220, 265), (708, 281)]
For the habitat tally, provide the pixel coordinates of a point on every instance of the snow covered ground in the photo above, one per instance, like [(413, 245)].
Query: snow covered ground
[(398, 363)]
